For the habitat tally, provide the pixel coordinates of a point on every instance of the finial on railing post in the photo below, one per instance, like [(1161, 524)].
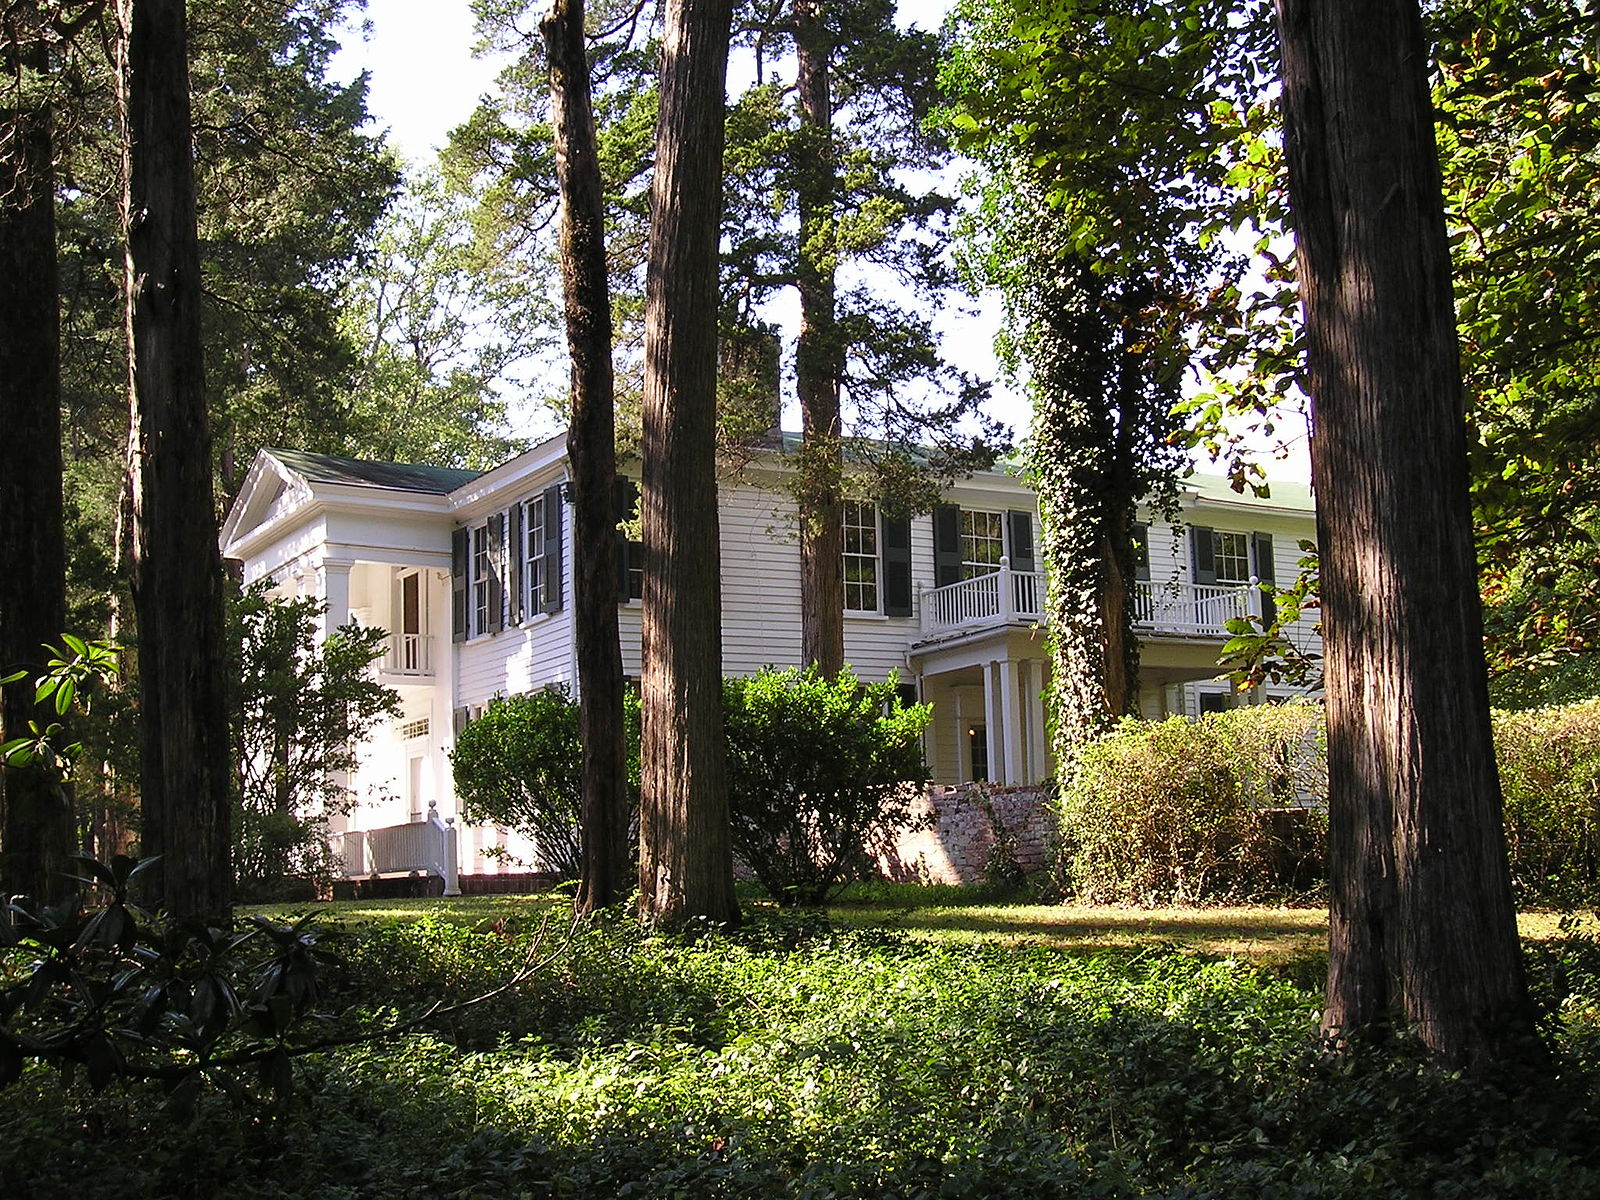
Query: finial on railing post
[(1007, 597)]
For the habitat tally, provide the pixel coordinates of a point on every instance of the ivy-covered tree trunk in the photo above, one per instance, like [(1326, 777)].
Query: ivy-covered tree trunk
[(177, 568), (1423, 925), (591, 451), (1090, 415), (36, 828), (685, 855), (818, 357)]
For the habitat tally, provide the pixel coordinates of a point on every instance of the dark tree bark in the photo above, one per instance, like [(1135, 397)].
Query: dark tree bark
[(818, 360), (591, 451), (177, 568), (685, 856), (1423, 926), (36, 831)]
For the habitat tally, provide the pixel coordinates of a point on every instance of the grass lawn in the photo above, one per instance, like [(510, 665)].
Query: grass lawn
[(1267, 935)]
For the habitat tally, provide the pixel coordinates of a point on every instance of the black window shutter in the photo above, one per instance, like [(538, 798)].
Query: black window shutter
[(497, 578), (1203, 554), (517, 559), (458, 720), (458, 585), (1141, 551), (1266, 573), (1020, 528), (946, 545), (896, 535), (550, 598), (625, 499)]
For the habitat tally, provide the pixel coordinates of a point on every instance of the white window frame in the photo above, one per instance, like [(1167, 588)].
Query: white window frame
[(979, 539), (863, 544), (1232, 548), (535, 562), (478, 572)]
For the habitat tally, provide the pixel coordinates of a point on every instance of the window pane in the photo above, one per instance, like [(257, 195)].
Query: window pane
[(860, 556)]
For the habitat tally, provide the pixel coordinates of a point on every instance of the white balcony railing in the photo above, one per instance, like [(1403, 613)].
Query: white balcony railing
[(1200, 609), (1004, 596), (428, 846), (408, 654), (997, 598)]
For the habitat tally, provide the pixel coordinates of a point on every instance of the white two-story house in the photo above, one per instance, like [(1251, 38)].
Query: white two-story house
[(470, 574)]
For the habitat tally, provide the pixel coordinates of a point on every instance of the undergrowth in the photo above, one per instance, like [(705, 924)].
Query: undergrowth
[(795, 1060)]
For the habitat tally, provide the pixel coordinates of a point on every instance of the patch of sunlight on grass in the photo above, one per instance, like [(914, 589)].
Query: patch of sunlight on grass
[(463, 910), (1258, 933)]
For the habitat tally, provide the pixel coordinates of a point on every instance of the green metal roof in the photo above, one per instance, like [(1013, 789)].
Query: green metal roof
[(404, 477), (1280, 493)]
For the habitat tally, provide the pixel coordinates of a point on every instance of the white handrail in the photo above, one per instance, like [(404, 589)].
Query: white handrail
[(996, 598), (429, 846), (1202, 608)]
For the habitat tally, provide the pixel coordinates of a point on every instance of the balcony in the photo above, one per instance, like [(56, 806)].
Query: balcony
[(998, 598), (1190, 609), (409, 654), (1005, 597)]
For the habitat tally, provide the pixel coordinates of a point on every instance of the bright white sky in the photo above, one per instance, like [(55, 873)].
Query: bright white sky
[(425, 80)]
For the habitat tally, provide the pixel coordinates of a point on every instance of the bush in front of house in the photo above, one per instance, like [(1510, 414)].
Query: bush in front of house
[(818, 768), (1179, 812), (1550, 776), (520, 765)]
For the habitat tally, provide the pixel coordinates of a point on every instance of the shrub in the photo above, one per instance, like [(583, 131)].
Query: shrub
[(816, 768), (521, 765), (1550, 775), (302, 704), (1182, 811)]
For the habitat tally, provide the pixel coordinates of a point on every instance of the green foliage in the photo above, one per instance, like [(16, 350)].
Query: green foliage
[(302, 705), (440, 331), (117, 994), (794, 1061), (817, 769), (1550, 776), (1181, 811), (1517, 96), (521, 765), (71, 678), (1184, 811)]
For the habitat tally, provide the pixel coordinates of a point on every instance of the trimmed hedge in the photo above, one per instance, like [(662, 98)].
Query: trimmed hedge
[(1232, 807), (1550, 776), (1178, 811)]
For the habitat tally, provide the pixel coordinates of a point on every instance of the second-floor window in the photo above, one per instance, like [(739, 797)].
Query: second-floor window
[(983, 542), (480, 579), (1231, 553), (860, 556), (535, 567)]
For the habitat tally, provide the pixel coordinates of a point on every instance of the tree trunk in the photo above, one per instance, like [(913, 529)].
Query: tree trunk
[(1422, 916), (177, 569), (685, 859), (36, 829), (817, 357), (591, 451)]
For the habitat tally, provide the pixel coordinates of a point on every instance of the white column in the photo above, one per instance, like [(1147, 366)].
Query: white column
[(1038, 768), (333, 586), (1011, 724), (991, 719)]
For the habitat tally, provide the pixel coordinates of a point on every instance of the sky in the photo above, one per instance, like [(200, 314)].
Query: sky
[(425, 79)]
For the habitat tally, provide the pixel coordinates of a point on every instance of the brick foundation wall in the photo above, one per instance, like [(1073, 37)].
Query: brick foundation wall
[(958, 833)]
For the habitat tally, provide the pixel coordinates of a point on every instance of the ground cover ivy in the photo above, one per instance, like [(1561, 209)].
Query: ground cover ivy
[(799, 1060)]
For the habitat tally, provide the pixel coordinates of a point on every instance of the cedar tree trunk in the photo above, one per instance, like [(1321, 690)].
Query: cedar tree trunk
[(591, 451), (1422, 920), (36, 831), (817, 359), (685, 856), (177, 569)]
